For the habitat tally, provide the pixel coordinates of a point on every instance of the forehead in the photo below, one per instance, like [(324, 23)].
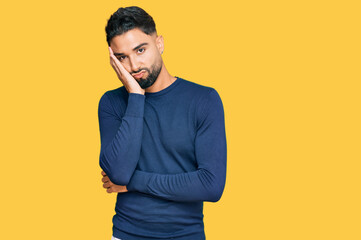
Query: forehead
[(130, 39)]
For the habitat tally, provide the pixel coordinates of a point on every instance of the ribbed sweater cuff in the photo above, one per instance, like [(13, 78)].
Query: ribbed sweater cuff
[(135, 106)]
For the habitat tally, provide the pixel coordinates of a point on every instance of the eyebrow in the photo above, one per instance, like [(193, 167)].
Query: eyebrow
[(134, 49)]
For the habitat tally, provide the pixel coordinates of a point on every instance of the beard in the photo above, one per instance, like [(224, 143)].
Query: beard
[(153, 74)]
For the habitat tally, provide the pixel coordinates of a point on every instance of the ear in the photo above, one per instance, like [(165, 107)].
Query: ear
[(160, 43)]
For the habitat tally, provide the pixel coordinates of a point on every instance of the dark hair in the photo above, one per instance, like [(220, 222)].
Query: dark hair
[(128, 18)]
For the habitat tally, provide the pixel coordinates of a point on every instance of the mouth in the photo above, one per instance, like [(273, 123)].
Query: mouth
[(139, 75)]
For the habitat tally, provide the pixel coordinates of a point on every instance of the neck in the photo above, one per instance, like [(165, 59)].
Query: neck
[(164, 80)]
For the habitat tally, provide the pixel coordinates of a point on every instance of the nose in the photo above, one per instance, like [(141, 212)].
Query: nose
[(134, 64)]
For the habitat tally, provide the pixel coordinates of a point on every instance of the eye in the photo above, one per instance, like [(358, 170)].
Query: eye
[(141, 50), (121, 58)]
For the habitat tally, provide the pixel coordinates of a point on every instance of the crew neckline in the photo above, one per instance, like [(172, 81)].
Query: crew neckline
[(165, 90)]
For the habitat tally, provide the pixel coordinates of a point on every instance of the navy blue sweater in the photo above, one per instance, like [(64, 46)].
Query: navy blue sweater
[(169, 149)]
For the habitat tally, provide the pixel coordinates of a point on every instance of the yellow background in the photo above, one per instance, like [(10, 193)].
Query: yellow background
[(288, 73)]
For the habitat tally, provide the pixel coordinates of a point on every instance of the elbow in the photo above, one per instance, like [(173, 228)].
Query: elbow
[(213, 185), (215, 193), (115, 175), (119, 179)]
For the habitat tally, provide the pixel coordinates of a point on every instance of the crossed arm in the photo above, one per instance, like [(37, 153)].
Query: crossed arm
[(120, 138), (204, 184)]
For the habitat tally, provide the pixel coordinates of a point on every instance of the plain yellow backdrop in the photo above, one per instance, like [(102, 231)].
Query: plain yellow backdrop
[(288, 73)]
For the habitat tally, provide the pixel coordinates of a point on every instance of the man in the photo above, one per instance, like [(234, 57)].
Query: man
[(163, 142)]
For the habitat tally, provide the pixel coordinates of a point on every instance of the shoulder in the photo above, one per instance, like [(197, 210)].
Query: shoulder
[(206, 100), (204, 95), (120, 93), (199, 94), (195, 88), (115, 100)]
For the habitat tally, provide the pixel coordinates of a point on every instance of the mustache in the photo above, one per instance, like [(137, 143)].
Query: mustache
[(141, 69)]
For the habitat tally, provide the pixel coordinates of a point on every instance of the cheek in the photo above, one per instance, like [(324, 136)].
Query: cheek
[(126, 65), (152, 57), (149, 58)]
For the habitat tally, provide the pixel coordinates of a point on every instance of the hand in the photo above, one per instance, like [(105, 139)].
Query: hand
[(111, 187), (124, 76)]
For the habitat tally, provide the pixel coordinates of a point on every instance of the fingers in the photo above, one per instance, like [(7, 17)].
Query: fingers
[(107, 184), (119, 69), (111, 187), (115, 62), (105, 179), (113, 59), (114, 65), (117, 188), (117, 65)]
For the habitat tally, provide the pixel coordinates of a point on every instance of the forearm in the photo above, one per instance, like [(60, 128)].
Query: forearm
[(119, 154), (200, 185)]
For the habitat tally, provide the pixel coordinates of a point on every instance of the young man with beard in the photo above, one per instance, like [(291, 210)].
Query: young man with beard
[(163, 141)]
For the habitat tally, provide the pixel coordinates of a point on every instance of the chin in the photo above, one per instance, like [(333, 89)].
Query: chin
[(146, 86), (145, 83)]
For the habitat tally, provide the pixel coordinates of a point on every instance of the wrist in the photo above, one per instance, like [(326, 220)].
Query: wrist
[(136, 91)]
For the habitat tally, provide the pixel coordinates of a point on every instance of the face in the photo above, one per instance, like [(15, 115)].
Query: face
[(140, 55)]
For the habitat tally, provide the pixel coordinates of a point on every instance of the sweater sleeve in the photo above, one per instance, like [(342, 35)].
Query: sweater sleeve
[(120, 138), (208, 181)]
